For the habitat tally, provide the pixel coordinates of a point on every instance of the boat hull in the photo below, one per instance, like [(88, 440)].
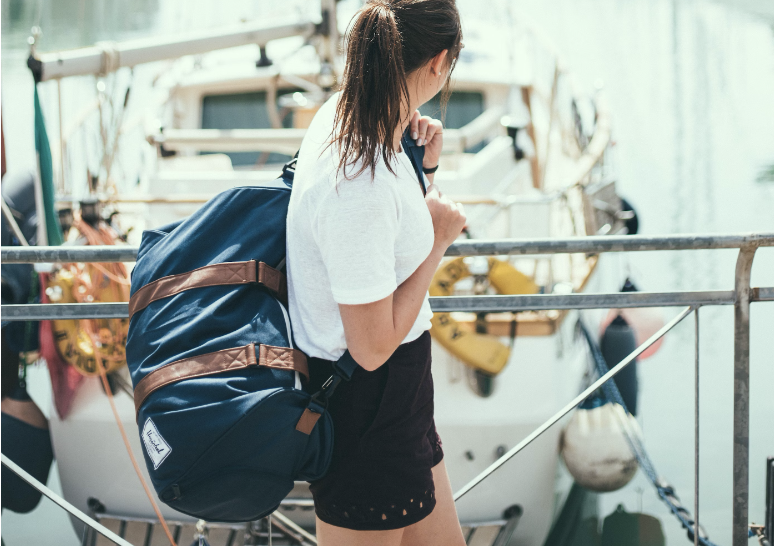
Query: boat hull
[(544, 372)]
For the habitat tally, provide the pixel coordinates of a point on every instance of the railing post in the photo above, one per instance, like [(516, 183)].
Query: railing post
[(741, 460), (696, 422)]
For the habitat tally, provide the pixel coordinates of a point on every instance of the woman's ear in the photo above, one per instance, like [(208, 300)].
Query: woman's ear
[(437, 63)]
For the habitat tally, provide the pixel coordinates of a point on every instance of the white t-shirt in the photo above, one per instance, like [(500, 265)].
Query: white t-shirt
[(349, 241)]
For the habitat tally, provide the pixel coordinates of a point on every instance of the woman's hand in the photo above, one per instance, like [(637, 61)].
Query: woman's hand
[(448, 218), (428, 132)]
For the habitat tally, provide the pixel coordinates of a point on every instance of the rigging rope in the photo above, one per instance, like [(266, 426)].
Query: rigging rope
[(588, 391), (106, 385), (664, 490), (116, 271)]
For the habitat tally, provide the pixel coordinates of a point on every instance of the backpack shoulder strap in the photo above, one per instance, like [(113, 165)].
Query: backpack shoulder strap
[(416, 154), (345, 366)]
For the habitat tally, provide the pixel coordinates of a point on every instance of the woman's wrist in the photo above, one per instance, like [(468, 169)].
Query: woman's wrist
[(429, 163), (438, 251)]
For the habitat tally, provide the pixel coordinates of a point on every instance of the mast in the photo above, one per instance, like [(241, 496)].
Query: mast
[(329, 50)]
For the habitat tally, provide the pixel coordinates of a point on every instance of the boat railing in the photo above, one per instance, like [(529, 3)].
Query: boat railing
[(288, 141), (502, 202), (741, 296)]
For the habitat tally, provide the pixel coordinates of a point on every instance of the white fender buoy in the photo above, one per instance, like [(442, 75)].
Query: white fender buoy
[(595, 449)]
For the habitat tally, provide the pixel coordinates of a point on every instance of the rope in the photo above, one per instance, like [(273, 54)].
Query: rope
[(114, 271), (664, 490), (111, 276), (125, 438), (102, 236)]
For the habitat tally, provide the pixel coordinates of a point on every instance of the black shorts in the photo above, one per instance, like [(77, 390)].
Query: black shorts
[(385, 443)]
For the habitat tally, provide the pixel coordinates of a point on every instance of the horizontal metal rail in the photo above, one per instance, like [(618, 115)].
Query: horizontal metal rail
[(605, 243), (67, 254), (472, 247), (740, 297), (619, 300), (478, 304)]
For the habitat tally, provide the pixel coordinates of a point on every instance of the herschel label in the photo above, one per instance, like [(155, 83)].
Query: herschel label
[(155, 445)]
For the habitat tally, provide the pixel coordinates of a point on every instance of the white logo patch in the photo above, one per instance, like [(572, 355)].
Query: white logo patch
[(155, 445)]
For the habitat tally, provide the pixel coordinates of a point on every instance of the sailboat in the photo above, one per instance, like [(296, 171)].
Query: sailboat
[(526, 151)]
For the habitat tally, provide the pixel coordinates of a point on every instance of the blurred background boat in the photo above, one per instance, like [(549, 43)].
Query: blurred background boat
[(524, 150), (761, 8), (182, 92)]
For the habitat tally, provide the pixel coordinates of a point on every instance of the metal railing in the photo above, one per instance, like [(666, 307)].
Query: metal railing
[(740, 297)]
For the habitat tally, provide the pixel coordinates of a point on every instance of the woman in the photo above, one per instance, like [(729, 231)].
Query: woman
[(363, 244)]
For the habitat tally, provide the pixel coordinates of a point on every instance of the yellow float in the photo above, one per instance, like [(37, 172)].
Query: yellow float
[(482, 352), (76, 340)]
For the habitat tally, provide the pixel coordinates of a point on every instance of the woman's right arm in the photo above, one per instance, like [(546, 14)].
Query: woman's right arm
[(374, 330)]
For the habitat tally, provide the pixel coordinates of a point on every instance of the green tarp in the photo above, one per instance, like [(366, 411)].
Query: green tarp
[(46, 170)]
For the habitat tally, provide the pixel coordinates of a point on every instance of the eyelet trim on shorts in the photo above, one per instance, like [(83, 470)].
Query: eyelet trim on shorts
[(357, 516), (437, 444)]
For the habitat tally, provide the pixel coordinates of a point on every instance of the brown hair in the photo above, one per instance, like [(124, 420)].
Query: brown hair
[(387, 41)]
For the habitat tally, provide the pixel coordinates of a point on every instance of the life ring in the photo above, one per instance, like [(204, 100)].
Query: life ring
[(482, 352), (79, 342)]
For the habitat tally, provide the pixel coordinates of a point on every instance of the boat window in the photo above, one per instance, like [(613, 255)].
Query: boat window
[(244, 111), (463, 107)]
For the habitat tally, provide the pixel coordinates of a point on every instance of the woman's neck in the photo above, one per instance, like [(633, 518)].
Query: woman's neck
[(405, 120), (405, 115)]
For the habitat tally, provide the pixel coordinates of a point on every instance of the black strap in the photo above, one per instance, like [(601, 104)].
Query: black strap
[(416, 155), (289, 171), (343, 369), (345, 366)]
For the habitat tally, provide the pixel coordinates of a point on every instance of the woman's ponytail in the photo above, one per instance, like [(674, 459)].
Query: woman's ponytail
[(387, 41)]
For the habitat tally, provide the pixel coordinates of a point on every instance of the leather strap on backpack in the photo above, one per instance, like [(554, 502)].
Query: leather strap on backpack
[(343, 369), (227, 273), (280, 358)]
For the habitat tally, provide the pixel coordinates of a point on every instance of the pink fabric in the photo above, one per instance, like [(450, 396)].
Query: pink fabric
[(65, 379), (645, 321)]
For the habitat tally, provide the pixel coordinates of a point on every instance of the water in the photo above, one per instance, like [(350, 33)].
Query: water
[(690, 86)]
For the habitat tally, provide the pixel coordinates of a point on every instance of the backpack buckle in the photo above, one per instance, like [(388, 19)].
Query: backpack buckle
[(318, 404), (322, 396)]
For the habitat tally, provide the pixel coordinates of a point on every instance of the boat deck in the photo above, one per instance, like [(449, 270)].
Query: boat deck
[(279, 531)]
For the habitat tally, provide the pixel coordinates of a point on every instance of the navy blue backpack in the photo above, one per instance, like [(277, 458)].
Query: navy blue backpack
[(222, 416)]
